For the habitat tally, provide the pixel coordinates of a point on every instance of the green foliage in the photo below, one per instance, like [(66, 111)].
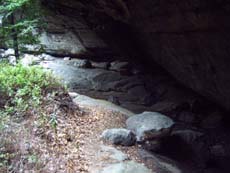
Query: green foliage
[(22, 88), (20, 19)]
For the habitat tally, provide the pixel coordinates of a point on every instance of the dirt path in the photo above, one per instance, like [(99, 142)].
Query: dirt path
[(72, 146)]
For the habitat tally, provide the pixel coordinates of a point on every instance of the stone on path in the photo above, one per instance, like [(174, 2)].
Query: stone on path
[(149, 125), (119, 136)]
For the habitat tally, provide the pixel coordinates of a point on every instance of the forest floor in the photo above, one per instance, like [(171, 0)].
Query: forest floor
[(69, 142)]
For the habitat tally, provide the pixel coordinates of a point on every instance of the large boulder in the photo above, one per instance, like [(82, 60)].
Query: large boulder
[(149, 125), (119, 136)]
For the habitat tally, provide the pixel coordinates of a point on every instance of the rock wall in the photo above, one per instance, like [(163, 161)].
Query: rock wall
[(70, 35), (190, 39)]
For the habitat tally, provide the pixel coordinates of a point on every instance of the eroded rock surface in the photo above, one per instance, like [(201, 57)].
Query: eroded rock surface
[(137, 92)]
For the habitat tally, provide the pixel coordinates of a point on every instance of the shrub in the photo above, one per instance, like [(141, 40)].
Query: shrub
[(22, 88), (33, 92)]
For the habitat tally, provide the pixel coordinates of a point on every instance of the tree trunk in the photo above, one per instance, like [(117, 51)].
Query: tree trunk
[(15, 38)]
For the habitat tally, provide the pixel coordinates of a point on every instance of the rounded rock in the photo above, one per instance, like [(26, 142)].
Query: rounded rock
[(119, 136), (149, 125)]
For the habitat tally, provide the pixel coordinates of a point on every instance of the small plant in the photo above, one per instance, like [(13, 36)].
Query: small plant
[(4, 119), (42, 120), (53, 121)]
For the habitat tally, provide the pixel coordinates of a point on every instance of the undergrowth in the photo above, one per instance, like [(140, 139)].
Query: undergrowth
[(22, 93), (22, 88)]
